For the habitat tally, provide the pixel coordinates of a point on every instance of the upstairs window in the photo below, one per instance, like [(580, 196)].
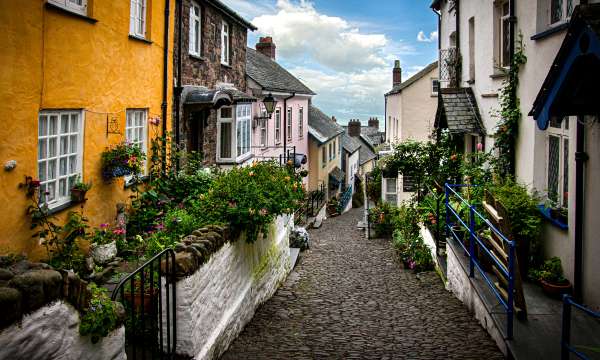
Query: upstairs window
[(278, 125), (289, 124), (60, 150), (323, 157), (76, 6), (560, 11), (195, 29), (435, 87), (137, 18), (504, 32), (225, 41), (300, 123)]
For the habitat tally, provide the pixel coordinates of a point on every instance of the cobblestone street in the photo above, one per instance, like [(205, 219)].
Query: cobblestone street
[(349, 298)]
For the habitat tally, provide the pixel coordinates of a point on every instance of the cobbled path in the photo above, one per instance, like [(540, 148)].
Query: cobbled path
[(350, 298)]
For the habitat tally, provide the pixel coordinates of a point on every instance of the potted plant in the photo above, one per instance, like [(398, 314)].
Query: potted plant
[(551, 277), (79, 189), (104, 243), (121, 160)]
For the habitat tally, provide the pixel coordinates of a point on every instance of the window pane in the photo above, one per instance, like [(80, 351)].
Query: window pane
[(42, 149), (72, 164), (225, 140), (565, 194), (42, 171), (239, 139), (74, 123), (556, 11), (62, 187), (569, 8), (51, 189), (73, 144), (52, 125), (62, 167), (226, 113), (555, 122), (390, 185), (64, 123), (52, 147), (51, 169), (72, 180), (553, 166), (505, 42), (43, 126), (392, 199)]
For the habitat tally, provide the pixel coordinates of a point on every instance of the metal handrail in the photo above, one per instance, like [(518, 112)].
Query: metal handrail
[(565, 340), (470, 251)]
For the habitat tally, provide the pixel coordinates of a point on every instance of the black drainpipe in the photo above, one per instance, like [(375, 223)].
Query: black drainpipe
[(458, 63), (165, 84), (439, 95), (580, 158), (178, 88), (285, 125)]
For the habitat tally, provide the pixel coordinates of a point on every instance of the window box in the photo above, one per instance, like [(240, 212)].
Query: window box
[(547, 213)]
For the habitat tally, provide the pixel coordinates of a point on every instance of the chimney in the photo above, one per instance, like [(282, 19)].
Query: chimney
[(354, 127), (266, 46), (334, 119), (397, 73), (374, 122)]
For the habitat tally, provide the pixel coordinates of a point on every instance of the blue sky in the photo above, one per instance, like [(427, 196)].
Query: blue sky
[(344, 49)]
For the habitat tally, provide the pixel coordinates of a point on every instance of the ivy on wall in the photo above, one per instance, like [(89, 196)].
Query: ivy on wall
[(510, 115)]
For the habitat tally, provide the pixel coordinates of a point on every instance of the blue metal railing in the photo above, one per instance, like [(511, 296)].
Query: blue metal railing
[(345, 198), (566, 347), (508, 272)]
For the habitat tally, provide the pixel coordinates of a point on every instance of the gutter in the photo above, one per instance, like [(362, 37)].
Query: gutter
[(165, 84)]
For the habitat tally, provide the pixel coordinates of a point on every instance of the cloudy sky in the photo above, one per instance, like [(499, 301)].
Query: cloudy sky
[(344, 50)]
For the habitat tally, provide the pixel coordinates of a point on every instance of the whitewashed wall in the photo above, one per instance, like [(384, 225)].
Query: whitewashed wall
[(52, 332), (215, 303)]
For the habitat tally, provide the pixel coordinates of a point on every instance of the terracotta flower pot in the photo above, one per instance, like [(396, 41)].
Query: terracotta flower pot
[(78, 195), (556, 289)]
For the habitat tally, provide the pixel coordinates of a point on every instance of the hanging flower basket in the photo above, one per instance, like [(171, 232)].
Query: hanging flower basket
[(121, 160)]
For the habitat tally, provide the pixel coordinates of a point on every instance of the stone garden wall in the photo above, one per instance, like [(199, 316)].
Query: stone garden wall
[(216, 301)]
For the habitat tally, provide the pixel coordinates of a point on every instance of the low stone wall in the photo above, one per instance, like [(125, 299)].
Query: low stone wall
[(216, 301), (52, 332), (459, 283)]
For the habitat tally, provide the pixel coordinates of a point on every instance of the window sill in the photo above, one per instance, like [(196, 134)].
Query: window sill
[(141, 39), (546, 215), (226, 66), (60, 9), (61, 207), (197, 57), (239, 161), (498, 75), (550, 31)]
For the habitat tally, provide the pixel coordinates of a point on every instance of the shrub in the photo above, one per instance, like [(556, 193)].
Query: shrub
[(100, 317), (383, 219), (551, 271)]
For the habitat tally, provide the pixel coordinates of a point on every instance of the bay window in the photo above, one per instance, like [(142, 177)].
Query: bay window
[(137, 18), (557, 161), (234, 133), (195, 40), (60, 150)]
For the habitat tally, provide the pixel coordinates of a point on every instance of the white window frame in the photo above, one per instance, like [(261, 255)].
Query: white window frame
[(264, 133), (243, 131), (500, 41), (69, 155), (324, 156), (562, 134), (278, 126), (220, 122), (225, 42), (133, 127), (435, 89), (71, 5), (386, 193), (137, 18), (300, 122), (564, 16), (195, 38), (289, 123)]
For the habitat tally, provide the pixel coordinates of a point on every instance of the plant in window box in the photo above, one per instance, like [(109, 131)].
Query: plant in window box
[(123, 159), (79, 189)]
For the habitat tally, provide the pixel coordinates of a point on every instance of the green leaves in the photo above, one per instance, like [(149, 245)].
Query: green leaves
[(100, 317)]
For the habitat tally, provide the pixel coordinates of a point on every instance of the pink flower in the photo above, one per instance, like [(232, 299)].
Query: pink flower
[(479, 146), (159, 226), (104, 225), (119, 231), (412, 264)]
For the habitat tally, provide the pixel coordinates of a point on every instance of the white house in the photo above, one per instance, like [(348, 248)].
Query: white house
[(351, 159), (411, 105)]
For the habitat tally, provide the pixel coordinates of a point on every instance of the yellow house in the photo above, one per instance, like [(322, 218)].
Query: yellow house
[(77, 76), (324, 152)]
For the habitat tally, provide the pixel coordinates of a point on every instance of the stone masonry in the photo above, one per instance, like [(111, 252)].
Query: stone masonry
[(350, 298)]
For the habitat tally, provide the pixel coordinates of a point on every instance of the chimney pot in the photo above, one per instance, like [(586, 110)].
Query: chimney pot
[(397, 73), (334, 119), (354, 127), (374, 122), (266, 46)]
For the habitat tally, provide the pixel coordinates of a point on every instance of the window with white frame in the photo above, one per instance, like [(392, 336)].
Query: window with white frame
[(435, 86), (289, 123), (557, 161), (195, 42), (76, 6), (243, 118), (502, 13), (225, 133), (278, 125), (135, 132), (60, 149), (560, 11), (300, 123), (137, 18), (225, 41), (390, 193), (263, 126)]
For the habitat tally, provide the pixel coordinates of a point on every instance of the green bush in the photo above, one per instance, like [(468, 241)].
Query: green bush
[(408, 241), (100, 317), (383, 219), (551, 271)]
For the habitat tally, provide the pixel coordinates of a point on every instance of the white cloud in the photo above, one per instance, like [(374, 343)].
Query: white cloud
[(300, 31), (250, 9), (421, 37)]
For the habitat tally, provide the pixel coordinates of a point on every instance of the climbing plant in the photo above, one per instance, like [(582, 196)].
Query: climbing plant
[(510, 115)]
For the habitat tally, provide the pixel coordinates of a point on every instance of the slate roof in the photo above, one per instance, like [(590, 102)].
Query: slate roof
[(365, 152), (371, 134), (458, 112), (271, 76), (411, 80), (349, 143), (320, 126), (232, 14)]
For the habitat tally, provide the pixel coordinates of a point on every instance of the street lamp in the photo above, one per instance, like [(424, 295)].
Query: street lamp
[(269, 103)]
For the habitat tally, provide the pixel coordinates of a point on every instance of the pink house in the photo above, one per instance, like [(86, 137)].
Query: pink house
[(287, 128)]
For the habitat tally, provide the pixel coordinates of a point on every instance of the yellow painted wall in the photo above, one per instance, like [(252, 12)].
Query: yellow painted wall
[(54, 60), (317, 173)]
